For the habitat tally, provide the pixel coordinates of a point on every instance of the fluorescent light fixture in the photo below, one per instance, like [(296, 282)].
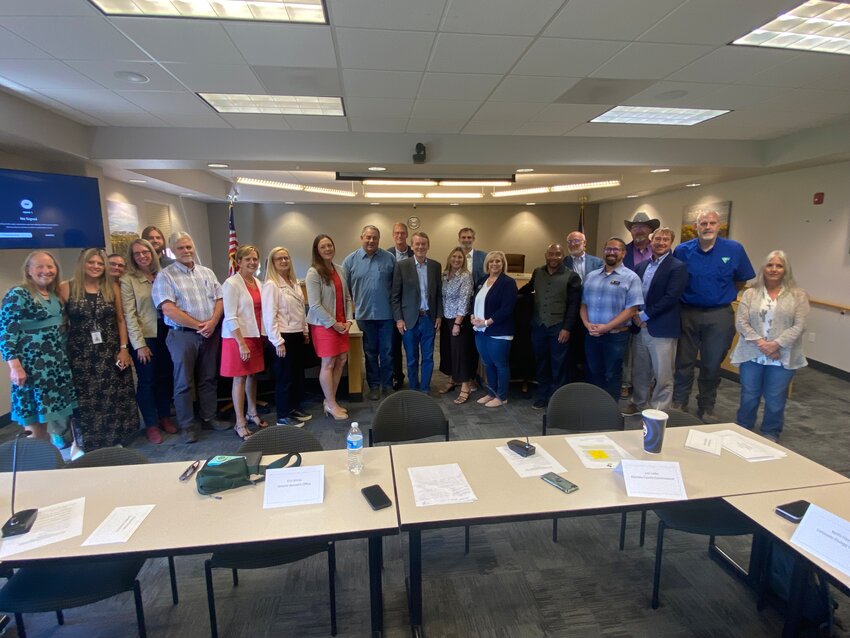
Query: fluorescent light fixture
[(630, 196), (289, 203), (521, 191), (439, 195), (215, 165), (660, 170), (399, 182), (454, 204), (531, 203), (657, 115), (138, 181), (580, 187), (260, 10), (329, 191), (375, 203), (460, 182), (268, 183), (816, 25), (692, 185), (274, 104), (379, 195), (524, 170), (377, 169)]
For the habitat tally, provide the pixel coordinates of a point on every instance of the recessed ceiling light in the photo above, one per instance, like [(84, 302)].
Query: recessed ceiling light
[(132, 77), (524, 170), (375, 203), (377, 169), (289, 203), (455, 204), (531, 203), (657, 115), (138, 181), (258, 10), (187, 194), (274, 104), (692, 185), (816, 25), (660, 170), (215, 165), (630, 196)]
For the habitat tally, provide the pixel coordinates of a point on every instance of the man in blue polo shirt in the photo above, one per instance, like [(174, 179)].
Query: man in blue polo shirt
[(718, 268), (611, 297), (369, 270)]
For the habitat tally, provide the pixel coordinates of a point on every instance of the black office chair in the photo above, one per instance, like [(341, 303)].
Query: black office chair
[(278, 439), (581, 408), (33, 454), (47, 587)]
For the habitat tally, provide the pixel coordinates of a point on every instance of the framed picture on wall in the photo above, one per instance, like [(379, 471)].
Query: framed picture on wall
[(689, 218)]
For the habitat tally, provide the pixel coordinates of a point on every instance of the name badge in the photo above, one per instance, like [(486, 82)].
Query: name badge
[(96, 337), (614, 282)]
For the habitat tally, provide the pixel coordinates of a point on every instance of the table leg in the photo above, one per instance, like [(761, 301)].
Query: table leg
[(415, 549), (376, 594), (355, 367)]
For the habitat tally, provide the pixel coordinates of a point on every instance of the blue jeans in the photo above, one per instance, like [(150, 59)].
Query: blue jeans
[(495, 353), (604, 361), (378, 351), (153, 390), (551, 357), (770, 382), (419, 337)]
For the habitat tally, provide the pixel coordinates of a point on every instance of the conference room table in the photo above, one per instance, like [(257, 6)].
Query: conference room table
[(185, 522), (761, 509), (502, 496)]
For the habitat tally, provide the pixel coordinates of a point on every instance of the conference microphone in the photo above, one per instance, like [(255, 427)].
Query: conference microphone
[(523, 448), (21, 522)]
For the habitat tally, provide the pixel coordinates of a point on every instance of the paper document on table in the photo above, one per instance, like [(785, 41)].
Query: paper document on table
[(537, 464), (440, 485), (119, 526), (826, 536), (653, 479), (749, 449), (597, 451), (54, 523), (288, 486), (703, 442)]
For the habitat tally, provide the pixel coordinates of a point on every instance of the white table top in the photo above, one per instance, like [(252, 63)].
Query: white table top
[(503, 495), (184, 521), (760, 509)]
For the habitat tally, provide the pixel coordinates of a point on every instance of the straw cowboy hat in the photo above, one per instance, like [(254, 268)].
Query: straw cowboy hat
[(642, 218)]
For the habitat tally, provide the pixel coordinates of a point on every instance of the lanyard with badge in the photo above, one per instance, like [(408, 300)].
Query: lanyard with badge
[(96, 336)]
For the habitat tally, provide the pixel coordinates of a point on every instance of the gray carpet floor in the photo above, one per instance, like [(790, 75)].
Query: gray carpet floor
[(515, 580)]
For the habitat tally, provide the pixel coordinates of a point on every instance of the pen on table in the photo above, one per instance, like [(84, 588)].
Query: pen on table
[(190, 470)]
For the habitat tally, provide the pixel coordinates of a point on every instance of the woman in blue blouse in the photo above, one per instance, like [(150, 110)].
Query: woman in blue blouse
[(456, 340), (493, 323)]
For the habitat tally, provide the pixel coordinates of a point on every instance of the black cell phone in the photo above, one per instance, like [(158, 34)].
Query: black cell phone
[(793, 511), (376, 497), (568, 487)]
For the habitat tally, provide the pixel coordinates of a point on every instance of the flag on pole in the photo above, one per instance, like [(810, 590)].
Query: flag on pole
[(232, 244)]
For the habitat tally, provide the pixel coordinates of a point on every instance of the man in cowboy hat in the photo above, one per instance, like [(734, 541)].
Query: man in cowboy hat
[(638, 250)]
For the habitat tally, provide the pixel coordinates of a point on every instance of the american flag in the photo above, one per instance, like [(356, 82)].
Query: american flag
[(232, 245)]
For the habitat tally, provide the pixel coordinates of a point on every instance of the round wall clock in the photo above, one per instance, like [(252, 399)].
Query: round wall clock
[(413, 222)]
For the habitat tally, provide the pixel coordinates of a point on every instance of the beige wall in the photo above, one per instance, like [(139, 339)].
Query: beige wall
[(511, 228), (776, 212)]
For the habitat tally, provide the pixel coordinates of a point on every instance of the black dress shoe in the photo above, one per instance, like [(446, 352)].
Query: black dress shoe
[(301, 416), (288, 420)]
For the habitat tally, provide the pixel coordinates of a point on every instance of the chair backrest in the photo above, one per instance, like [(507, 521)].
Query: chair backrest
[(109, 456), (582, 407), (408, 415), (281, 439), (677, 418), (33, 454), (516, 262)]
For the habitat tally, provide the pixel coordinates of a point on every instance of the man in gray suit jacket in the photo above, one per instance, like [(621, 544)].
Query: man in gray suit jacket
[(474, 258), (417, 302), (581, 263)]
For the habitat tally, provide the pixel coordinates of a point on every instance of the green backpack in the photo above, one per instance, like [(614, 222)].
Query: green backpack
[(226, 472)]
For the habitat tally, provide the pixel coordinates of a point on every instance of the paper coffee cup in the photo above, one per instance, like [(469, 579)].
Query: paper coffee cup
[(654, 424)]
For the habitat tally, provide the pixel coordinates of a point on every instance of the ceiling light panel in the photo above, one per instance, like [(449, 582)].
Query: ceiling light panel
[(815, 25), (440, 195), (587, 185), (491, 182), (399, 182), (309, 11), (274, 104), (657, 115), (521, 191), (379, 195), (251, 181)]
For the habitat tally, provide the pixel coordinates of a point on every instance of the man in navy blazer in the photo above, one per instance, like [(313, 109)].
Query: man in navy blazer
[(664, 280), (417, 303), (580, 263), (474, 258)]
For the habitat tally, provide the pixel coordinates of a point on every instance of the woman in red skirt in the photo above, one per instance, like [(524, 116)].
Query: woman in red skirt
[(241, 342), (329, 317)]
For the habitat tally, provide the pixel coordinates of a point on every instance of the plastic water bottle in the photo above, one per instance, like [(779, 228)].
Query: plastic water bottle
[(354, 444)]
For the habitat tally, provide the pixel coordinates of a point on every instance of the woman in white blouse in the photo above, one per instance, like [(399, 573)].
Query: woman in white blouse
[(241, 341), (770, 319), (285, 321)]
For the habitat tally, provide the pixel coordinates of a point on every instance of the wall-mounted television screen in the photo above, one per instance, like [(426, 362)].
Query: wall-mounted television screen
[(48, 210)]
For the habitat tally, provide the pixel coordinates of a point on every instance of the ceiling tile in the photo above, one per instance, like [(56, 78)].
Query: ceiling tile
[(569, 113), (427, 125), (733, 96), (730, 64), (284, 44), (103, 72), (407, 15), (521, 111), (62, 109), (281, 80), (807, 69), (531, 88), (251, 121), (46, 8), (566, 58), (175, 40), (378, 107), (368, 124), (16, 48), (457, 86), (608, 19), (95, 102), (672, 94), (168, 102), (490, 127), (134, 119), (650, 61), (72, 38), (45, 74), (454, 52), (543, 128), (383, 50), (502, 17), (317, 123), (807, 101), (217, 78), (397, 84), (206, 120), (444, 109)]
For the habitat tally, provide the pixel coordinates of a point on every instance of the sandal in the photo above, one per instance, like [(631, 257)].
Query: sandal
[(256, 420), (486, 399), (462, 397), (242, 431), (448, 388)]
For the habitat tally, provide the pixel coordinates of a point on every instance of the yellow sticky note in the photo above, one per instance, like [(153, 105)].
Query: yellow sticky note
[(597, 454)]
